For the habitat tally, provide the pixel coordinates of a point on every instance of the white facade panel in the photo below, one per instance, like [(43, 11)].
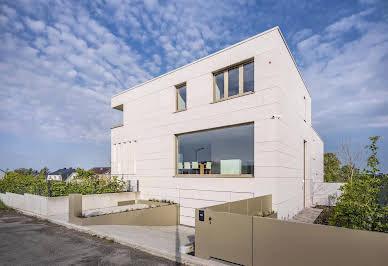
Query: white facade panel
[(279, 108)]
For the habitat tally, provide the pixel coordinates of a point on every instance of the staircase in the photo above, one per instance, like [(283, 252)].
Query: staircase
[(307, 215)]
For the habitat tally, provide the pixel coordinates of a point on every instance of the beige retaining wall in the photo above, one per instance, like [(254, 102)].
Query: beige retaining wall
[(236, 236), (49, 206), (161, 215)]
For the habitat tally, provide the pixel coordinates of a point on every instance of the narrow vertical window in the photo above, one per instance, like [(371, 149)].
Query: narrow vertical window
[(304, 102), (219, 86), (233, 83), (181, 98), (248, 77)]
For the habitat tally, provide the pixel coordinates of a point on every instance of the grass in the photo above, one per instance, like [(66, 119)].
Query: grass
[(3, 207)]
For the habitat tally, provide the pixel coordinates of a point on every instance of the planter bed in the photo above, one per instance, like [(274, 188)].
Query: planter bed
[(110, 210), (141, 212)]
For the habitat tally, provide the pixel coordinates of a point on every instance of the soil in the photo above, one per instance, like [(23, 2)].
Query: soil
[(325, 215)]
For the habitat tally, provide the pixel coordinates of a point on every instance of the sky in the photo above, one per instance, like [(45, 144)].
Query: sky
[(61, 61)]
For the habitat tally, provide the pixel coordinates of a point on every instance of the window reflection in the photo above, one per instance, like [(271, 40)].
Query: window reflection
[(219, 86), (248, 77), (233, 82), (181, 103), (225, 151)]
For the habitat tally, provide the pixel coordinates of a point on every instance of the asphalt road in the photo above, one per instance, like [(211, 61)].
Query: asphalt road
[(28, 241)]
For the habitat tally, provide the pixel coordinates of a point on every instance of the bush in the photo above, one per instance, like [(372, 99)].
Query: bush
[(361, 204), (85, 183), (359, 208)]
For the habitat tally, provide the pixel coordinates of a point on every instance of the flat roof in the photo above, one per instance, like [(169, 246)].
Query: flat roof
[(215, 53)]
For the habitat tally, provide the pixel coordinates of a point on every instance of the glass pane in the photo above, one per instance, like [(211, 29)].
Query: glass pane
[(219, 86), (248, 77), (182, 98), (226, 151), (233, 82)]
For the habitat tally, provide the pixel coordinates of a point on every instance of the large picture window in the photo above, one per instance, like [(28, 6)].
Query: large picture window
[(226, 151), (234, 81)]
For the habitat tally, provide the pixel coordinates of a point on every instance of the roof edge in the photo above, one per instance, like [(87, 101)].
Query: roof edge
[(206, 57), (293, 59)]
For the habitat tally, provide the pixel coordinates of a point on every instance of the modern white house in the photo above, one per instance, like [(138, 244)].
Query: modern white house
[(233, 125)]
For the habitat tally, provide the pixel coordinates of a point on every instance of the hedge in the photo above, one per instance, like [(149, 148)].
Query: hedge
[(84, 184)]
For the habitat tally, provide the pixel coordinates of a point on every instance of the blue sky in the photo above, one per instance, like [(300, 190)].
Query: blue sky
[(61, 61)]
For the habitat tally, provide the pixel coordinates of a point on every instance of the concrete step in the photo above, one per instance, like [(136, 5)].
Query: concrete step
[(307, 215)]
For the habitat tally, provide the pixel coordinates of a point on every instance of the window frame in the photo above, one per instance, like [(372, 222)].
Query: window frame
[(177, 87), (176, 175), (240, 66)]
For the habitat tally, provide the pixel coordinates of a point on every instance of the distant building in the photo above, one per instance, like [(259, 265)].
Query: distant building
[(2, 174), (102, 172), (65, 174)]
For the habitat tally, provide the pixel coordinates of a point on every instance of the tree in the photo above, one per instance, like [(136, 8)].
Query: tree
[(351, 157), (331, 167), (346, 171), (24, 171), (373, 162), (44, 172), (359, 206), (85, 174)]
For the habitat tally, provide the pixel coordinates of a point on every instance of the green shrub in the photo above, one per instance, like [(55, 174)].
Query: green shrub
[(360, 206), (85, 183)]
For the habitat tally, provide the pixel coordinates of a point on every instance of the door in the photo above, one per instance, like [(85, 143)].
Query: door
[(304, 171)]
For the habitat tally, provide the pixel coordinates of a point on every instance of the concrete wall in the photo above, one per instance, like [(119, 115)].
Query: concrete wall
[(144, 147), (36, 204), (48, 206), (97, 201), (326, 193)]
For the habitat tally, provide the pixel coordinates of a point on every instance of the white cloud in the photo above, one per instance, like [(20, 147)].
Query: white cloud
[(58, 83), (356, 21), (302, 34), (35, 25), (346, 75)]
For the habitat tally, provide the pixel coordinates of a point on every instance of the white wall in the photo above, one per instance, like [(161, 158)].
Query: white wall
[(48, 206), (97, 201), (54, 177), (150, 120), (326, 193), (36, 204)]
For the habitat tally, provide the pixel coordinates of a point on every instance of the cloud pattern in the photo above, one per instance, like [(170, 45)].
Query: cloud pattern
[(61, 61)]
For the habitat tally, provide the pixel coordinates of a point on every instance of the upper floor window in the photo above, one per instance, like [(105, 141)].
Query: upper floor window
[(234, 81), (181, 97)]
